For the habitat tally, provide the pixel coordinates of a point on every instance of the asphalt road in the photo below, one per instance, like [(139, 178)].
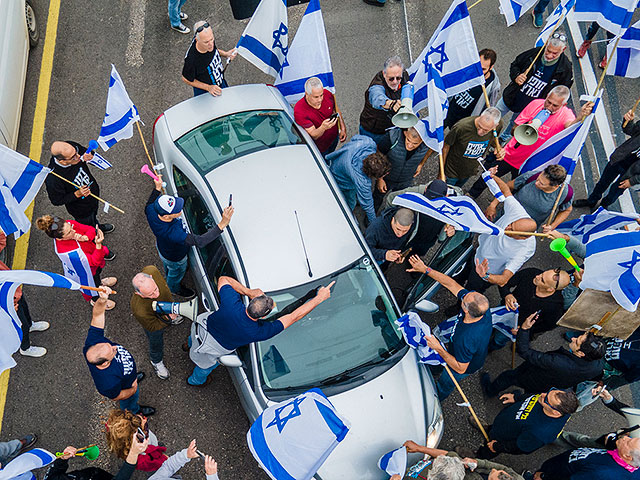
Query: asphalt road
[(54, 396)]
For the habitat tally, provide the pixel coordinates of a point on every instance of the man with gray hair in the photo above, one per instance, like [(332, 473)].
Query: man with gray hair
[(149, 285), (389, 234), (233, 325), (382, 98), (318, 113), (466, 143), (203, 69)]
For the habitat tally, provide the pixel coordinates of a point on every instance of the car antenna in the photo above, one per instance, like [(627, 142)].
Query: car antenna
[(303, 246)]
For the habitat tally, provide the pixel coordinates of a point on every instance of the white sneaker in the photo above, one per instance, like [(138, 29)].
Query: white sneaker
[(161, 370), (33, 351), (39, 326)]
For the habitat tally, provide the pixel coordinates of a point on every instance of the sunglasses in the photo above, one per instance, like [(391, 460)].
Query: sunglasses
[(395, 79), (202, 27), (560, 36)]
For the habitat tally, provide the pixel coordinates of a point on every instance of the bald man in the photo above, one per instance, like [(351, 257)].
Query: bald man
[(111, 365), (469, 342), (69, 160)]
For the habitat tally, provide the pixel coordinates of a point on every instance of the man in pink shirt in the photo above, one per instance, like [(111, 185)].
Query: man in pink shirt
[(515, 154)]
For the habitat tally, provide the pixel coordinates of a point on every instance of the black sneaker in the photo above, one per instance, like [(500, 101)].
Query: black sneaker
[(146, 410), (107, 227), (110, 256), (485, 384), (182, 28), (26, 443), (583, 203), (185, 292), (140, 376)]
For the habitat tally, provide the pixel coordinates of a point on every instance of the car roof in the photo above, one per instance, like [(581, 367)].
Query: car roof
[(187, 115), (267, 187)]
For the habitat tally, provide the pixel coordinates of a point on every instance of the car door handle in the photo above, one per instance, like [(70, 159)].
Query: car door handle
[(458, 270), (205, 302)]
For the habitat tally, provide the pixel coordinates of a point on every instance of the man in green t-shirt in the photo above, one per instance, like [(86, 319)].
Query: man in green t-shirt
[(466, 142), (149, 285)]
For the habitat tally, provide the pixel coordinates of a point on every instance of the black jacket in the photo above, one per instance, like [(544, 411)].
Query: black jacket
[(563, 74), (559, 368), (374, 120), (58, 471), (630, 146), (380, 236), (62, 193)]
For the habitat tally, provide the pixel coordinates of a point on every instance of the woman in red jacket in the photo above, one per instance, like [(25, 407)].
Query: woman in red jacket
[(81, 251)]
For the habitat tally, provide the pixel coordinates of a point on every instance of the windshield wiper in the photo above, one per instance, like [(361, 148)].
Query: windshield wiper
[(348, 374)]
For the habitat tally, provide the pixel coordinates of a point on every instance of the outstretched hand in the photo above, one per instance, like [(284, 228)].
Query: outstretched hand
[(417, 265), (325, 292), (192, 450), (482, 268)]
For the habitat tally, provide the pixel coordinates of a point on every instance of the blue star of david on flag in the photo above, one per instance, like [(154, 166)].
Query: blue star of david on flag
[(439, 50), (586, 225), (294, 411)]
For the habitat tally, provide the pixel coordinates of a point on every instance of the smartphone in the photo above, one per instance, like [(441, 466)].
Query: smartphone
[(200, 454), (599, 391), (230, 198), (140, 435), (405, 254), (334, 116)]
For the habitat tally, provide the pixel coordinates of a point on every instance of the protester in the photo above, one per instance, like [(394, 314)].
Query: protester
[(469, 342), (203, 69), (466, 143), (389, 233), (69, 160), (472, 102), (58, 470), (76, 243), (551, 69), (537, 12), (11, 449), (172, 239), (559, 368), (624, 165), (622, 362), (150, 286), (474, 468), (528, 423), (27, 324), (176, 16), (382, 98), (234, 325), (318, 113), (121, 427), (354, 167), (175, 462), (538, 193), (498, 257), (111, 365), (530, 291), (588, 40), (407, 154)]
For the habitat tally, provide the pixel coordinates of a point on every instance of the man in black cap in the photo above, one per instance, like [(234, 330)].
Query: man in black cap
[(172, 239)]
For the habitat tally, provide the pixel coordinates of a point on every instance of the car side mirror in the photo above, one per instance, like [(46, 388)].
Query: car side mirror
[(427, 306), (231, 361)]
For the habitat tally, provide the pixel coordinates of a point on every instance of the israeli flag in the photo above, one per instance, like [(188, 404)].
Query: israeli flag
[(394, 462), (415, 333), (431, 130), (504, 320), (99, 161), (10, 325), (308, 57), (453, 52), (445, 330), (493, 186), (21, 466), (514, 9), (555, 20), (120, 114), (75, 265), (563, 148), (611, 264), (612, 15), (586, 225), (292, 439), (20, 181), (460, 211), (625, 61), (265, 40)]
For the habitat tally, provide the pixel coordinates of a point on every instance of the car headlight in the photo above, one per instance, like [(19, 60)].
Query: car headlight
[(434, 432)]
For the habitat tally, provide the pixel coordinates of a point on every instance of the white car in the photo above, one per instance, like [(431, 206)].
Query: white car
[(246, 144), (18, 31)]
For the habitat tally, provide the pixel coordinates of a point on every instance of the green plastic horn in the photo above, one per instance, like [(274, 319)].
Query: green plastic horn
[(91, 452), (560, 245)]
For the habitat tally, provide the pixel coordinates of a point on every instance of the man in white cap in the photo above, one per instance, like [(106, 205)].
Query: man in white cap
[(172, 239)]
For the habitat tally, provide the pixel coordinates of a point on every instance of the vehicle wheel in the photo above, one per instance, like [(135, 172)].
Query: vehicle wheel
[(32, 25)]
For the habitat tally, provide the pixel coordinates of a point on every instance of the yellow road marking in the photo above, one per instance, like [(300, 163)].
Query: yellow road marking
[(35, 151)]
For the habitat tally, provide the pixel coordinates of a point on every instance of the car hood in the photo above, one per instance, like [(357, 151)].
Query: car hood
[(384, 413)]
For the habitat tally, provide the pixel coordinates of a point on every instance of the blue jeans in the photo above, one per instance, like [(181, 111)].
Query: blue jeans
[(131, 403), (8, 451), (156, 345), (174, 271), (175, 7), (498, 340), (375, 136), (445, 385), (332, 147), (199, 375), (541, 6), (457, 182)]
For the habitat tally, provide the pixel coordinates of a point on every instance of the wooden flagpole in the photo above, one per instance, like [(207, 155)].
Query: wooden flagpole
[(555, 205), (466, 400), (633, 110), (513, 355), (535, 234), (95, 289), (546, 42), (442, 176), (495, 134), (91, 194), (144, 144)]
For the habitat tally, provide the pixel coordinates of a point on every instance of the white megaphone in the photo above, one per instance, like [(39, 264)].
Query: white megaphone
[(527, 134), (633, 417), (186, 309), (405, 118)]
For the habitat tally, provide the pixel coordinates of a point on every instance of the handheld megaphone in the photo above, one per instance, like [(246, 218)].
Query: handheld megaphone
[(527, 134), (633, 417), (186, 309), (145, 169), (405, 118)]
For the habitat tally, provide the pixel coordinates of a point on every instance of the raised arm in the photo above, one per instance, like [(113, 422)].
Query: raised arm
[(417, 265), (323, 294), (238, 287), (99, 307)]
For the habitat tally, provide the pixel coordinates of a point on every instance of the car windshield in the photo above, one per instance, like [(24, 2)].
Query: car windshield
[(232, 136), (354, 327)]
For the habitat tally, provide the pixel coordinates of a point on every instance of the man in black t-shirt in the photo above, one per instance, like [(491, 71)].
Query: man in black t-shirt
[(203, 68)]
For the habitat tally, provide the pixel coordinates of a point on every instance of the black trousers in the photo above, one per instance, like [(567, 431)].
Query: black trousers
[(25, 320), (608, 178)]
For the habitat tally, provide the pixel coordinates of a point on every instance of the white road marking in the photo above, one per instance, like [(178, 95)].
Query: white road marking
[(135, 43)]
